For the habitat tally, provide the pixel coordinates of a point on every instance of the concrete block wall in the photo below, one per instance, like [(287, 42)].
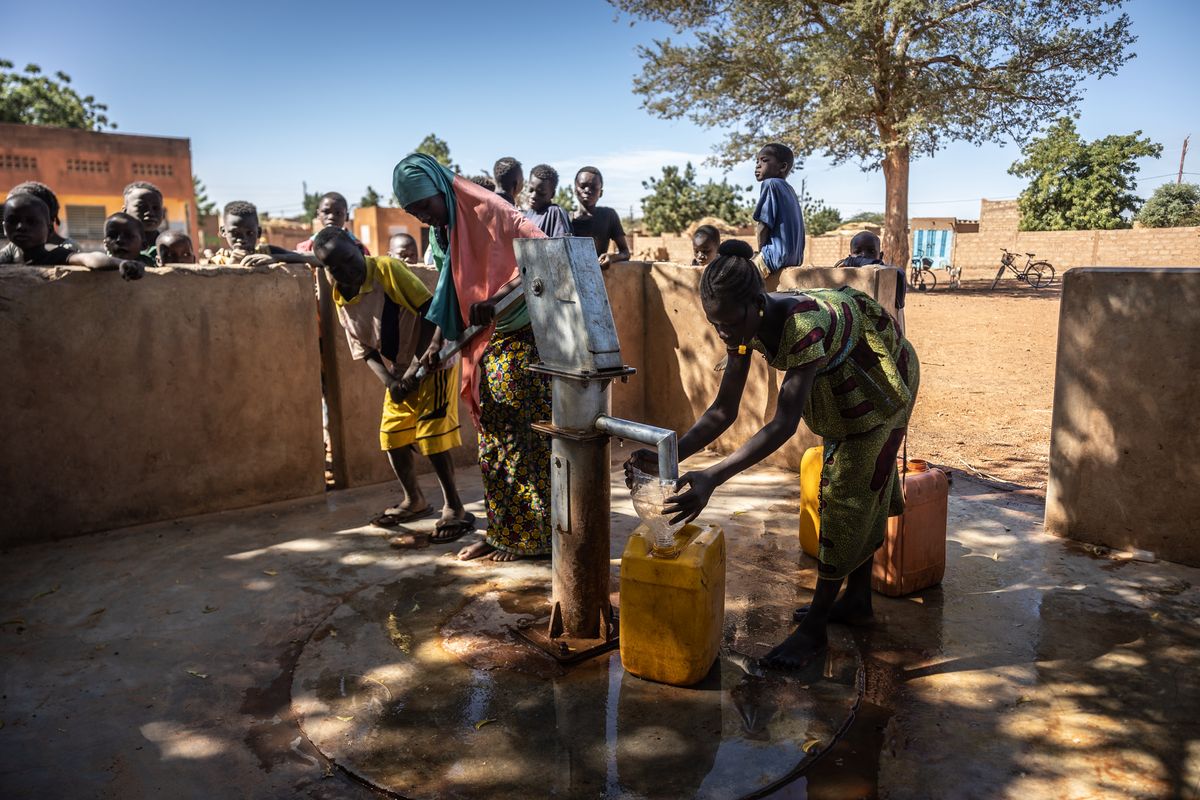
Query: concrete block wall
[(189, 391), (1125, 434), (1128, 247)]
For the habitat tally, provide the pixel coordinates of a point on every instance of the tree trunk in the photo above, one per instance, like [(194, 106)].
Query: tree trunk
[(895, 213)]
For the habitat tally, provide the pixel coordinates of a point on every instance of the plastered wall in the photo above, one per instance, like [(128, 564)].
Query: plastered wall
[(1125, 434), (191, 390)]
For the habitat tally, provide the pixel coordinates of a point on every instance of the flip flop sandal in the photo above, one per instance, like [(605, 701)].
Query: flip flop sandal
[(392, 520), (451, 530)]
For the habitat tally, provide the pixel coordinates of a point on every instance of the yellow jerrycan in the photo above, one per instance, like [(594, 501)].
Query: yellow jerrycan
[(810, 492), (673, 607)]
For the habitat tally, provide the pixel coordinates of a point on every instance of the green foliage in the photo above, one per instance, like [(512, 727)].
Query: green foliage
[(676, 200), (31, 98), (204, 206), (1172, 205), (565, 197), (820, 218), (870, 217), (1078, 185), (873, 81), (311, 202), (437, 148), (370, 199)]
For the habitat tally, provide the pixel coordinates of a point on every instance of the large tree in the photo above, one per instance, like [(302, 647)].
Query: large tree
[(879, 82), (1076, 185), (677, 199), (31, 98), (437, 148)]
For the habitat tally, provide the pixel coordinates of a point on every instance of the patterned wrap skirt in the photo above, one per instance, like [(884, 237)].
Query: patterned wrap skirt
[(860, 485), (514, 459)]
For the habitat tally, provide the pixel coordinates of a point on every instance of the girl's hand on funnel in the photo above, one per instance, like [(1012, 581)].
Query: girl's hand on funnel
[(641, 459), (686, 506)]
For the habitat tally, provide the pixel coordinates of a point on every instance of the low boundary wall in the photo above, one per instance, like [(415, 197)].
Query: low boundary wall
[(1125, 434), (189, 391)]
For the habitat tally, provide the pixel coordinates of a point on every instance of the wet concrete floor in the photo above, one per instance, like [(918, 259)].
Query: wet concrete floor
[(161, 660)]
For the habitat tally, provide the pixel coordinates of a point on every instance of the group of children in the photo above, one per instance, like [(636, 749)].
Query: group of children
[(380, 302)]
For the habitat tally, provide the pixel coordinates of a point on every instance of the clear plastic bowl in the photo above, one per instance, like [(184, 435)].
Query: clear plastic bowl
[(649, 493)]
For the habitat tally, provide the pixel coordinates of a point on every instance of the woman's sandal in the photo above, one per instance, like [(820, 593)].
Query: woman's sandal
[(394, 519), (451, 530)]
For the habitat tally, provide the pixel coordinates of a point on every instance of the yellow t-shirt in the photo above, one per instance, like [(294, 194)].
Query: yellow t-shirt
[(362, 315)]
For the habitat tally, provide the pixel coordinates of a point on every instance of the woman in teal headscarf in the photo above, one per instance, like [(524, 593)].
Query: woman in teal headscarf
[(472, 232)]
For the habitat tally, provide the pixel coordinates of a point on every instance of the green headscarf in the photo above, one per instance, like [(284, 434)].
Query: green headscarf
[(416, 177)]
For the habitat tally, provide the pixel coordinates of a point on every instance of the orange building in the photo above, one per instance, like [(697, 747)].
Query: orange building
[(88, 170), (375, 225)]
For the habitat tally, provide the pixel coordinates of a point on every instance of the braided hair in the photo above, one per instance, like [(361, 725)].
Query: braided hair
[(731, 277)]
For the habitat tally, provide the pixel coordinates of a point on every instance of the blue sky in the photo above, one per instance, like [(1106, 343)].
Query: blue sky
[(272, 95)]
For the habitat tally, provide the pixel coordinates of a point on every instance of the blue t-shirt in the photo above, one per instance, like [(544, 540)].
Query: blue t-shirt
[(779, 209)]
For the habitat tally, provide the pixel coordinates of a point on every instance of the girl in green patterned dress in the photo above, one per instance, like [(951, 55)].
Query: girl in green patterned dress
[(852, 377)]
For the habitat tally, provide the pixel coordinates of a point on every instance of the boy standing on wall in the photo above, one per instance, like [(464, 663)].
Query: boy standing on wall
[(780, 221), (599, 222), (382, 306)]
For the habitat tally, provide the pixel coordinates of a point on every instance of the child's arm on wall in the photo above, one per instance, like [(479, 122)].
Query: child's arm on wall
[(764, 236), (130, 270), (286, 257)]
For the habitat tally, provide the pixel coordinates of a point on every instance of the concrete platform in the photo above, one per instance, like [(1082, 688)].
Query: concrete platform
[(160, 660)]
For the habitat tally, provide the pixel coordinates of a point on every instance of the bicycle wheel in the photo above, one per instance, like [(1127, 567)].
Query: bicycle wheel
[(999, 275), (1041, 273), (928, 281)]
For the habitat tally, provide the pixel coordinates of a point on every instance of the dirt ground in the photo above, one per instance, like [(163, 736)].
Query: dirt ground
[(987, 379)]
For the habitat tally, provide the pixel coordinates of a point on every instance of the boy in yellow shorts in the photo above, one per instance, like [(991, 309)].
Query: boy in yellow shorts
[(382, 306)]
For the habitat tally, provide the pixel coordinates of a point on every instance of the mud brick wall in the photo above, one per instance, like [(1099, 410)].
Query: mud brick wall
[(1125, 433), (189, 391)]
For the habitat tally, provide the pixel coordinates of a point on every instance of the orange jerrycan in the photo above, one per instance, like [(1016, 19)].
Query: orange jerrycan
[(913, 555), (673, 608), (810, 495)]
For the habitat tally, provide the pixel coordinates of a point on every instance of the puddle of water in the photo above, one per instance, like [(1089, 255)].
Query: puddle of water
[(499, 719)]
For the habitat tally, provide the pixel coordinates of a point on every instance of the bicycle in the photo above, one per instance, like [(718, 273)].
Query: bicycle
[(1036, 273), (921, 276)]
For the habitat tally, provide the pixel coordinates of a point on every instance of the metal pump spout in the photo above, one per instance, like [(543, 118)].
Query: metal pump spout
[(661, 438)]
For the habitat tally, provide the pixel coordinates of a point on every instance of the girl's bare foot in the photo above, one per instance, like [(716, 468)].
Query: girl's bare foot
[(477, 550), (502, 556)]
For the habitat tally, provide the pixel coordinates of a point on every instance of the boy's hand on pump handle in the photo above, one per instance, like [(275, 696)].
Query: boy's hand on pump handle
[(402, 387)]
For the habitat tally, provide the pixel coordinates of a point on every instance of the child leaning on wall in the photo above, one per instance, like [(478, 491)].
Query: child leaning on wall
[(241, 230), (10, 254), (124, 238), (144, 202), (780, 221), (27, 224)]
